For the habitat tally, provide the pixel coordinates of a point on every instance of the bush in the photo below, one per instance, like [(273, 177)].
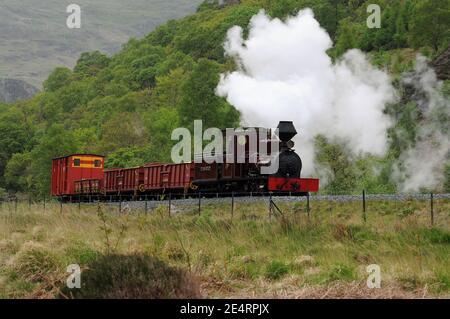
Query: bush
[(340, 272), (276, 270), (81, 253), (443, 282), (435, 235), (352, 232), (134, 276), (36, 264)]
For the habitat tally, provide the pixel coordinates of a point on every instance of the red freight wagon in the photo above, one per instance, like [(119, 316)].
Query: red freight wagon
[(69, 172), (163, 177), (124, 180)]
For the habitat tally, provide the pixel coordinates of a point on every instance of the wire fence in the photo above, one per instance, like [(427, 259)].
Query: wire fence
[(433, 209)]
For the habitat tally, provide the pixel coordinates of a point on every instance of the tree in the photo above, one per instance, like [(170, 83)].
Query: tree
[(430, 23), (55, 141), (168, 92), (160, 124), (447, 178), (14, 136), (90, 63), (199, 100), (335, 161), (18, 173), (347, 38), (121, 131), (57, 79)]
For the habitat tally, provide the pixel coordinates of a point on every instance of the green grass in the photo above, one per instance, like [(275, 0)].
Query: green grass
[(246, 255)]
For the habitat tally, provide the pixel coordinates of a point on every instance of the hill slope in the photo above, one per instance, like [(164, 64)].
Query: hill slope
[(35, 38), (127, 105), (12, 90)]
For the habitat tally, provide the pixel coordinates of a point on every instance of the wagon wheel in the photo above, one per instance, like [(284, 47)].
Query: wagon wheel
[(193, 187), (142, 188)]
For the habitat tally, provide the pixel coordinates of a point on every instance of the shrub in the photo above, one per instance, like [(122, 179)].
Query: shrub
[(443, 282), (276, 270), (173, 251), (134, 276), (81, 253), (340, 272), (351, 232), (436, 236), (36, 264)]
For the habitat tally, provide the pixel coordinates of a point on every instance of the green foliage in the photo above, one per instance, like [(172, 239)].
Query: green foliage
[(348, 37), (336, 164), (90, 63), (59, 78), (341, 272), (199, 100), (134, 276), (208, 5), (431, 23), (447, 178), (434, 235), (276, 270), (126, 106)]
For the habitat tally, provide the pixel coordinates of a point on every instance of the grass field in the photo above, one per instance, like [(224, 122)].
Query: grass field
[(218, 254)]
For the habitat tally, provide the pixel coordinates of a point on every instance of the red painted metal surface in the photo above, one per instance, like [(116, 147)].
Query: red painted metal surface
[(123, 180), (294, 185), (89, 186), (69, 170), (168, 176)]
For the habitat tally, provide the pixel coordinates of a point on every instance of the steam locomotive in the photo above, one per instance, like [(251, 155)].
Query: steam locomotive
[(240, 170)]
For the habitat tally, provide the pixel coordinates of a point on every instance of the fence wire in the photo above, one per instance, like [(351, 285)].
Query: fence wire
[(398, 209)]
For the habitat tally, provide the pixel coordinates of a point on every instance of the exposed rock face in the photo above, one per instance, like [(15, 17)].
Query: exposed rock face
[(12, 90), (442, 65)]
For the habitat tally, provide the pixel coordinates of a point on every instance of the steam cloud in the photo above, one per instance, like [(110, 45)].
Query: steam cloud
[(284, 73), (422, 164)]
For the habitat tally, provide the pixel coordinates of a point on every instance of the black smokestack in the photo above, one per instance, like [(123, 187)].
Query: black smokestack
[(286, 131)]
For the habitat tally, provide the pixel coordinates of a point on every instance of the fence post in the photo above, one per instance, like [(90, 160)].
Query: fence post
[(170, 204), (146, 204), (199, 202), (364, 205), (232, 205), (29, 201), (270, 206), (120, 204), (44, 203), (308, 208), (432, 209), (61, 206), (15, 206)]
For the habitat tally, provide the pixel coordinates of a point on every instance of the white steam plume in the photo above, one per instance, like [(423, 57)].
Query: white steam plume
[(285, 74), (422, 164)]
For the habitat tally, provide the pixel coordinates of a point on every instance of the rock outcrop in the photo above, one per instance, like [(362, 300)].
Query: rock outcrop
[(442, 65), (12, 90)]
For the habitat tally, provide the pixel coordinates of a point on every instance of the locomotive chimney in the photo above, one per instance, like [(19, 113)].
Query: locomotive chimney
[(286, 131)]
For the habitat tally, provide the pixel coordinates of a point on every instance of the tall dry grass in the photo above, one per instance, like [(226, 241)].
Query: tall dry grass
[(219, 254)]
